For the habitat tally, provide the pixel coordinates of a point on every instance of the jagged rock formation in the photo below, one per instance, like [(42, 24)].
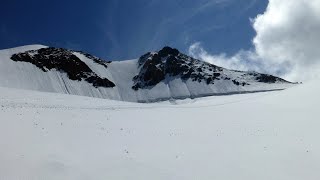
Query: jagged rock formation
[(170, 63)]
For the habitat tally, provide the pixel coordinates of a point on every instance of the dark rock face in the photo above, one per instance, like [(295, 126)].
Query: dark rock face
[(65, 61), (151, 72), (266, 78), (168, 51), (239, 83), (169, 62)]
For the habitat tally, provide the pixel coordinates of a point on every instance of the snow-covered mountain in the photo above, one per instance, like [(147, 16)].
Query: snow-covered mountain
[(266, 135), (167, 74)]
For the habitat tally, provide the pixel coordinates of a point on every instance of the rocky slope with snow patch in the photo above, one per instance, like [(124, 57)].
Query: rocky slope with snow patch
[(167, 74)]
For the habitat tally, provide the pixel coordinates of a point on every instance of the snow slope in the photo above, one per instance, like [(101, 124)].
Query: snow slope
[(25, 75), (265, 136)]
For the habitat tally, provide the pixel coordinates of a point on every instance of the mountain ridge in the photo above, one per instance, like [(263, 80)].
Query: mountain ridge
[(166, 74)]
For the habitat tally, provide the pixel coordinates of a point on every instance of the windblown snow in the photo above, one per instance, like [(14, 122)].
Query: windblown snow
[(269, 135)]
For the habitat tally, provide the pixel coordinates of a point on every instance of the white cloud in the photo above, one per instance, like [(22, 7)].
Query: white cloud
[(286, 44), (244, 60), (289, 32)]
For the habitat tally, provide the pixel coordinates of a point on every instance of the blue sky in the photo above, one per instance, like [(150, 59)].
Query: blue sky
[(125, 29)]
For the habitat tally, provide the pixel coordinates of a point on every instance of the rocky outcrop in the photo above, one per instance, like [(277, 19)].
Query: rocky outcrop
[(63, 60), (170, 63)]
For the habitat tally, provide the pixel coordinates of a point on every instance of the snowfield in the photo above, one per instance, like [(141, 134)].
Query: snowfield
[(259, 136)]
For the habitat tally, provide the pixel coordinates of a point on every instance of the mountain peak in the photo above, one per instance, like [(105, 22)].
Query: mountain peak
[(169, 63), (168, 51)]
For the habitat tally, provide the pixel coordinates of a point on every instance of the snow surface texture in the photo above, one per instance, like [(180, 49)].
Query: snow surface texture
[(270, 135), (99, 77)]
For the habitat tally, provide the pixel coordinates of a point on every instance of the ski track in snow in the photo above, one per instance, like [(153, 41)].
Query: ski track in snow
[(11, 103)]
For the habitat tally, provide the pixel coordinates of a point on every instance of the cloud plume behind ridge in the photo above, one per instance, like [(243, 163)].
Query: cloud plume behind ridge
[(286, 42)]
